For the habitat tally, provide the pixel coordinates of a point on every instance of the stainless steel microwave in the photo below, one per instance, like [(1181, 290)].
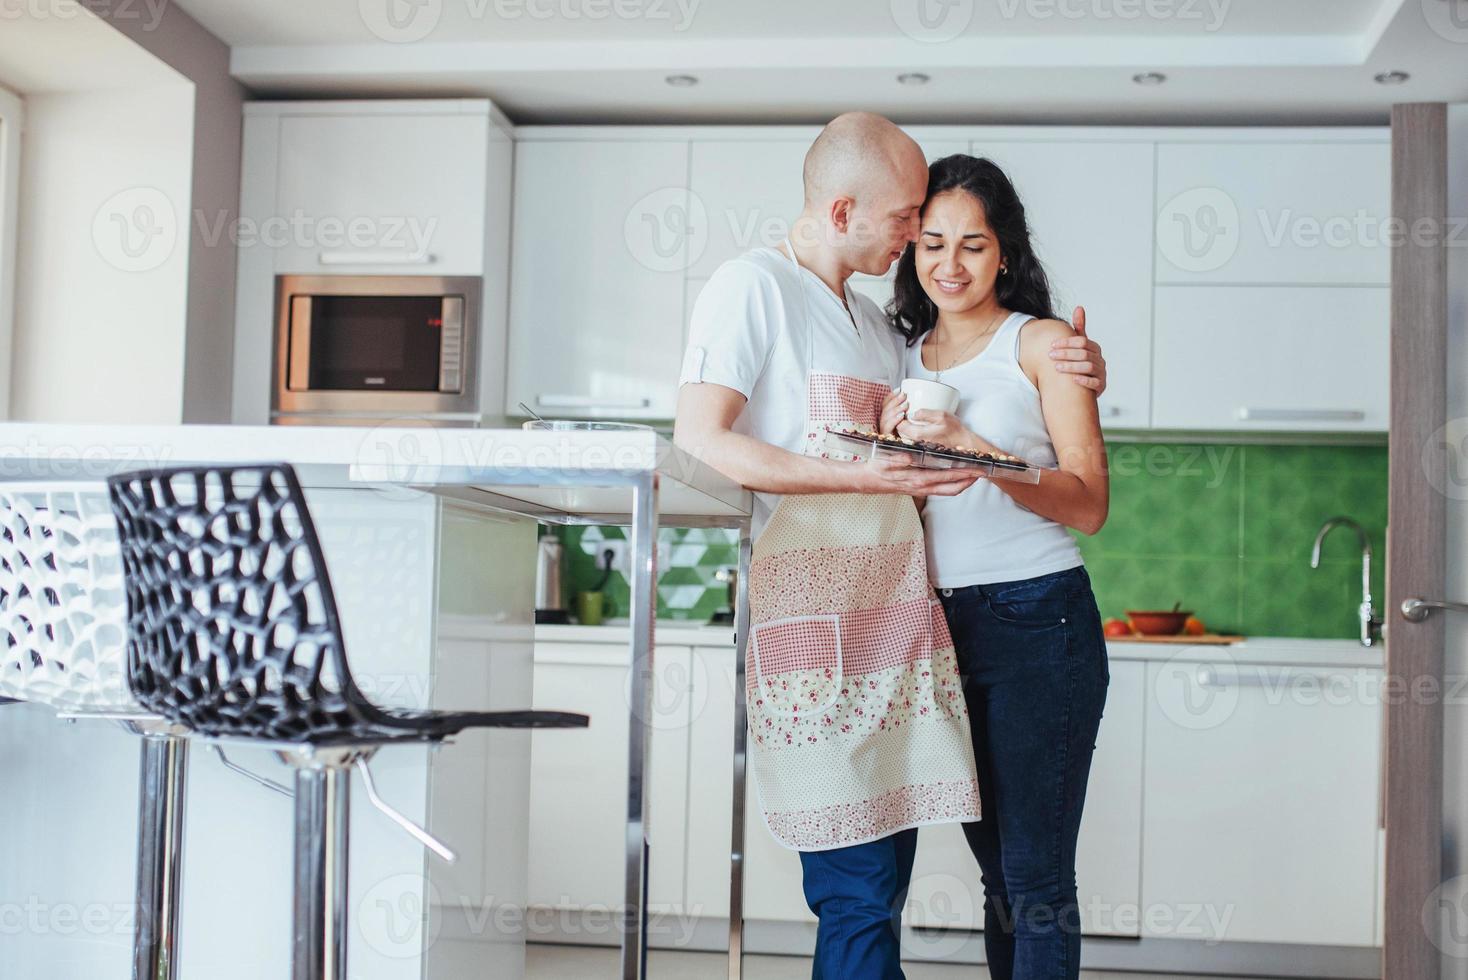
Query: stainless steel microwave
[(376, 346)]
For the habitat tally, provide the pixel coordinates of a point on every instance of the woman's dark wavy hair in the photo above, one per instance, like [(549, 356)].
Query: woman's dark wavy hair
[(1024, 289)]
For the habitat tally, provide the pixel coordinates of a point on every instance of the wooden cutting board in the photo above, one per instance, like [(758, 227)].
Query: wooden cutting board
[(1207, 639)]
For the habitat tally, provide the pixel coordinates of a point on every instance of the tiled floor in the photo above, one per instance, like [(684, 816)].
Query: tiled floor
[(583, 963)]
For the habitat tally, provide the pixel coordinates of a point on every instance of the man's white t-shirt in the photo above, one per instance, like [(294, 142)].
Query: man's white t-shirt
[(761, 325)]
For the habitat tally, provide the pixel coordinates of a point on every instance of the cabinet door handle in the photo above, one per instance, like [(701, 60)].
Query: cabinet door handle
[(1257, 677), (376, 257), (588, 401), (1247, 414), (1416, 610)]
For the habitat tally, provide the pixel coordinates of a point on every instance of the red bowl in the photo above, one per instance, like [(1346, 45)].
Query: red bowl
[(1153, 622)]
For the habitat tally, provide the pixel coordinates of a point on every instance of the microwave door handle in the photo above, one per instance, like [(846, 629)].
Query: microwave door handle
[(298, 368)]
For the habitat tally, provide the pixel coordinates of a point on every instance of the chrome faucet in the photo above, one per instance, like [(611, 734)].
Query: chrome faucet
[(1370, 624)]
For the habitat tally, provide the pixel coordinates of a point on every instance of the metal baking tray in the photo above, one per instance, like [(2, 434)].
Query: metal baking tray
[(931, 458)]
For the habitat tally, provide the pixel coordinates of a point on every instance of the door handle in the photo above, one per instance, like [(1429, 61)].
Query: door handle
[(1417, 610)]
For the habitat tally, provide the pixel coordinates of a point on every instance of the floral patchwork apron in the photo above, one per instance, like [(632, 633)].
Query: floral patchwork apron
[(858, 726)]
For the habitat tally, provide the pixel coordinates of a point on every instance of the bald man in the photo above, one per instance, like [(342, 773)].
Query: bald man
[(858, 733)]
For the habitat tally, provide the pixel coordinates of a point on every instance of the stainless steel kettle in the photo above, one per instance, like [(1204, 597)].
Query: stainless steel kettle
[(550, 603)]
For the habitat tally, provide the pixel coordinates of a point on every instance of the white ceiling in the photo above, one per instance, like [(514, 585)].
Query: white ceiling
[(769, 60), (61, 46)]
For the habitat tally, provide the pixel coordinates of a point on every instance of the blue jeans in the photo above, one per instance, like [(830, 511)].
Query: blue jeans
[(1032, 658), (857, 893)]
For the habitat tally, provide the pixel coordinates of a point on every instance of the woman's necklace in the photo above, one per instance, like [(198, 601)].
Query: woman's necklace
[(938, 372)]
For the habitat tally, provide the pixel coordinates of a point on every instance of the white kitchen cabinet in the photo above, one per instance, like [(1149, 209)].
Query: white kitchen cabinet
[(382, 194), (748, 192), (599, 255), (1089, 207), (579, 779), (946, 892), (1271, 358), (772, 875), (1261, 789), (1287, 211)]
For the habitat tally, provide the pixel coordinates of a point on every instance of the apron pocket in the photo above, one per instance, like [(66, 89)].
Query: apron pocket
[(798, 666)]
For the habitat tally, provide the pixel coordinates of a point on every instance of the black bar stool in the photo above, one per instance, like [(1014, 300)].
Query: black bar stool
[(233, 631)]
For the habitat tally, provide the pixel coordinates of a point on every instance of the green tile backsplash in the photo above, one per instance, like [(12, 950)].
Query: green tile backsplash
[(1225, 529)]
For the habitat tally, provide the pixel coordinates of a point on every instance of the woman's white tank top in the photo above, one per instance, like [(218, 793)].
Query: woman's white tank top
[(983, 536)]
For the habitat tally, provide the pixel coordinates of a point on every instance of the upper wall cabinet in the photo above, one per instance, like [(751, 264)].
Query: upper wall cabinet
[(599, 251), (1272, 358), (746, 193), (1291, 212), (382, 194), (411, 187), (1089, 207)]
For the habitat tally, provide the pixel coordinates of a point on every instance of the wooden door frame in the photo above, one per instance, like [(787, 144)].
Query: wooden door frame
[(1416, 542)]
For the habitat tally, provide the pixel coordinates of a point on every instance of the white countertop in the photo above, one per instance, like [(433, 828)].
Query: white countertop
[(511, 468), (1265, 650)]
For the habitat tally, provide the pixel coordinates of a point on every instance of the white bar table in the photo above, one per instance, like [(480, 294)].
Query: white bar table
[(636, 479)]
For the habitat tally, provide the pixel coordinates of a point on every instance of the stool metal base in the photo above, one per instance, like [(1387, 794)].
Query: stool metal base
[(163, 773), (319, 914)]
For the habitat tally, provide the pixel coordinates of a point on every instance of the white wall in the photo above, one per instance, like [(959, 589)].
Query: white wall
[(181, 43), (102, 273), (12, 114)]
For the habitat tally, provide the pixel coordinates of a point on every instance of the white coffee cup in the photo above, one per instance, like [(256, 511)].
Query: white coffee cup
[(933, 395)]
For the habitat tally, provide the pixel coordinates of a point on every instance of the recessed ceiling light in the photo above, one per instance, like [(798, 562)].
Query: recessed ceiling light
[(1149, 78), (1392, 77), (682, 81), (914, 78)]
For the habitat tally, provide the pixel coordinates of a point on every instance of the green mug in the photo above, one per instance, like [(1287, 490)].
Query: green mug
[(590, 608)]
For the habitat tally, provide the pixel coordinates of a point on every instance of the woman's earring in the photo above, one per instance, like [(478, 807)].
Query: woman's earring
[(1004, 269)]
